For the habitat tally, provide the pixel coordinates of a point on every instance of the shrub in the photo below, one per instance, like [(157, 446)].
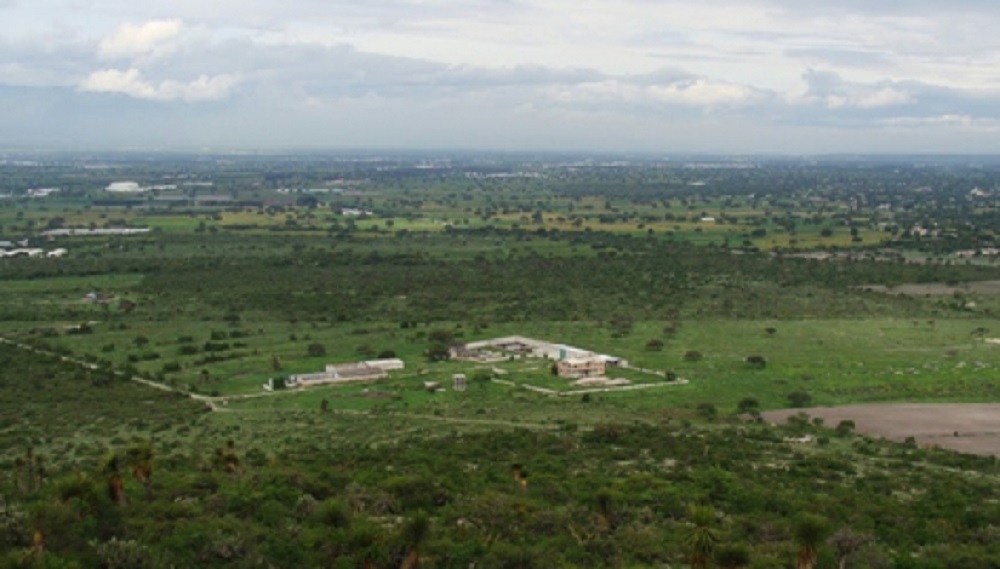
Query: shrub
[(692, 356), (799, 399), (438, 353), (845, 428), (748, 405), (707, 410)]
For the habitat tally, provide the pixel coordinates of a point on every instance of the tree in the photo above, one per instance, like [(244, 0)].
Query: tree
[(756, 362), (771, 331), (654, 345), (124, 554), (732, 556), (520, 476), (226, 456), (438, 353), (441, 336), (606, 509), (701, 539), (845, 542), (799, 399), (29, 472), (748, 405), (809, 532), (140, 458), (414, 534), (316, 350), (707, 410), (111, 468), (845, 428), (692, 356)]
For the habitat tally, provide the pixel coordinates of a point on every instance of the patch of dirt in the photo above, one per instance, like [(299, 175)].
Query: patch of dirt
[(379, 395), (938, 289), (964, 427)]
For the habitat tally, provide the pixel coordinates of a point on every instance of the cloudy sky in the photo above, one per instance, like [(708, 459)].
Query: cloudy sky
[(792, 76)]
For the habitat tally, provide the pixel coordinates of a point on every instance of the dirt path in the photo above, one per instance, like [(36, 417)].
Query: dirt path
[(963, 427)]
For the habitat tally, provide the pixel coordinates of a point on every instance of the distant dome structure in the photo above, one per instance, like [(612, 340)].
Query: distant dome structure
[(124, 187)]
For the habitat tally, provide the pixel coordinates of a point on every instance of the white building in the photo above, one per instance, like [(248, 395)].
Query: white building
[(341, 373), (65, 232), (125, 187), (354, 211), (520, 346), (23, 252)]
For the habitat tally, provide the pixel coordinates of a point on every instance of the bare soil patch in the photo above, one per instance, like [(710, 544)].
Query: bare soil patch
[(379, 395), (938, 289), (964, 427)]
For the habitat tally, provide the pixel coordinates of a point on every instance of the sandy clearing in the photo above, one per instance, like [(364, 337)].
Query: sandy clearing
[(963, 427), (938, 289)]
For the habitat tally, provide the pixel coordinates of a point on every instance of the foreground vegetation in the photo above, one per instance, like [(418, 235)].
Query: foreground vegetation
[(179, 488), (135, 431)]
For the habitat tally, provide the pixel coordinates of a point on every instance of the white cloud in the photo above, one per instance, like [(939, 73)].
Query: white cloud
[(870, 99), (885, 97), (691, 92), (962, 121), (131, 83), (835, 93), (702, 92), (131, 40)]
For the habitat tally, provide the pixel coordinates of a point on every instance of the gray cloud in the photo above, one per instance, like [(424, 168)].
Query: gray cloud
[(514, 73), (53, 61), (890, 8), (840, 57)]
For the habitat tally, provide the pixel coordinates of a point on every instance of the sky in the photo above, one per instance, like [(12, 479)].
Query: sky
[(670, 76)]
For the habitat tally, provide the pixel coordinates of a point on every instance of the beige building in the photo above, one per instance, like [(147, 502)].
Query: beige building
[(580, 367)]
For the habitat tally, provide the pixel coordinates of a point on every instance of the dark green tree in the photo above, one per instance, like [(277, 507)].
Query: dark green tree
[(809, 532), (701, 539)]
